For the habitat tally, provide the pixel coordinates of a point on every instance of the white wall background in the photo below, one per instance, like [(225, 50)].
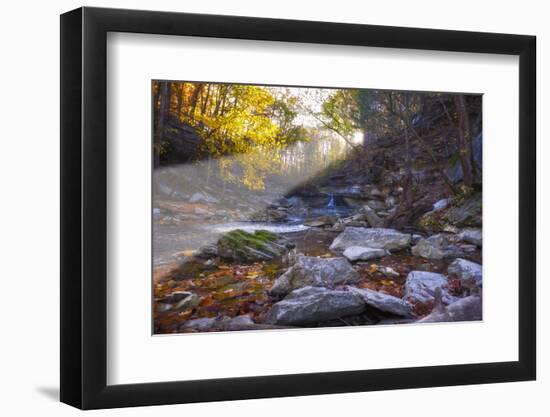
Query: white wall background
[(29, 225)]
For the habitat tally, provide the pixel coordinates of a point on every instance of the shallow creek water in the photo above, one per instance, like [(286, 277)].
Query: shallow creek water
[(172, 242)]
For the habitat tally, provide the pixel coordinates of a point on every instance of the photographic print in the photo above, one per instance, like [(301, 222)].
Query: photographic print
[(284, 207)]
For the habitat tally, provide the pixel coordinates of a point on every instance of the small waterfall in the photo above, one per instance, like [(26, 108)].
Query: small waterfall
[(331, 202)]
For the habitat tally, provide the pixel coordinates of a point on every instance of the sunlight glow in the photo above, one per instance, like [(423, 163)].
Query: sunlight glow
[(357, 137)]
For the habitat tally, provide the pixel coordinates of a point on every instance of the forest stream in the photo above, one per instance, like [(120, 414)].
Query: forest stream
[(291, 207), (232, 288)]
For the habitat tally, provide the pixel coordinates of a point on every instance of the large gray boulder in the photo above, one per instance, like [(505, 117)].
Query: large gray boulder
[(316, 272), (473, 236), (377, 238), (469, 273), (311, 305), (359, 253), (420, 287), (383, 302), (437, 247), (464, 309)]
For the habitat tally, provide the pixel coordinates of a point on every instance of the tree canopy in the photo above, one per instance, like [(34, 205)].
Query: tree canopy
[(249, 132)]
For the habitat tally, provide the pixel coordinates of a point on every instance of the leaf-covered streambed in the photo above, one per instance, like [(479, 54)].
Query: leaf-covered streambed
[(228, 289)]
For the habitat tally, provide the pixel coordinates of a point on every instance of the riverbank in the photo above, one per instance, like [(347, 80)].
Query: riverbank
[(196, 289)]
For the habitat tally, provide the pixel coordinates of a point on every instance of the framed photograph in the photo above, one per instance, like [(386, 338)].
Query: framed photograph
[(257, 208)]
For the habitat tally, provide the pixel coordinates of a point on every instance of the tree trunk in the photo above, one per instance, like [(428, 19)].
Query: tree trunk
[(224, 98), (220, 97), (179, 97), (164, 88), (195, 99), (205, 103)]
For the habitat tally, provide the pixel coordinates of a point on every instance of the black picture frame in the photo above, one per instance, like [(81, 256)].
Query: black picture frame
[(84, 207)]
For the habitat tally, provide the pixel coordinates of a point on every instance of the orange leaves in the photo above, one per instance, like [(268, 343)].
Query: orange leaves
[(386, 286), (207, 301), (374, 279), (391, 288), (253, 275), (229, 290)]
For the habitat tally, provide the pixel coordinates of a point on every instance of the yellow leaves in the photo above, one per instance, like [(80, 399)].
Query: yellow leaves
[(252, 181), (253, 166), (253, 275), (244, 136)]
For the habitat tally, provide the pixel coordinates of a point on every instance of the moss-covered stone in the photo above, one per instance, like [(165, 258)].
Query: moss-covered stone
[(239, 245)]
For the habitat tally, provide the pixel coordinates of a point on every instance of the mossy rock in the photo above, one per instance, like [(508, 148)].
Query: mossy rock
[(261, 245)]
